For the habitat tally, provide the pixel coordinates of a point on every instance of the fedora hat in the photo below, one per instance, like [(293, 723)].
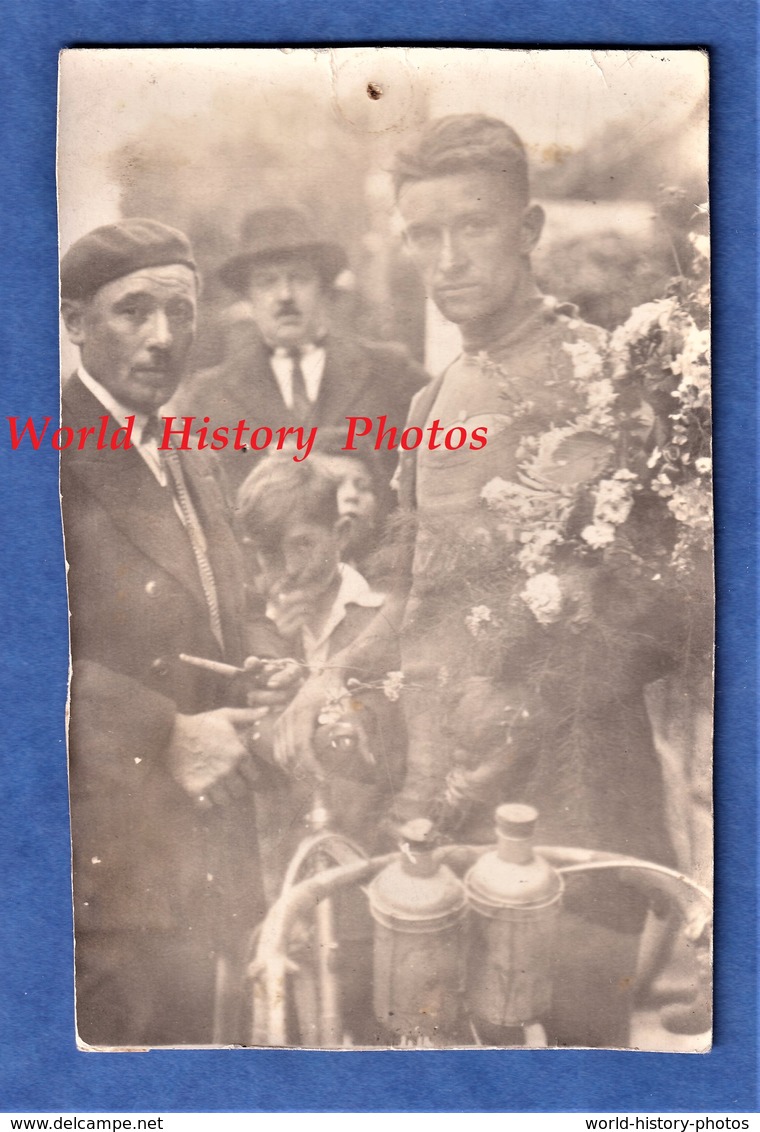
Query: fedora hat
[(269, 233)]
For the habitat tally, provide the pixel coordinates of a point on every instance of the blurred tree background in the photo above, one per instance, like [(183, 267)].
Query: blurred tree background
[(198, 143)]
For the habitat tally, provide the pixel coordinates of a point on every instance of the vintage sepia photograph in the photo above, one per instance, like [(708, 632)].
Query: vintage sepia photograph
[(386, 484)]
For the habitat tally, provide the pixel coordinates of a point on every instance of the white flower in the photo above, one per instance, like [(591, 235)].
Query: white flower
[(691, 504), (701, 244), (600, 394), (478, 617), (613, 501), (522, 503), (587, 363), (598, 535), (640, 324), (694, 368), (496, 491), (598, 420), (644, 318), (543, 596), (703, 464), (662, 485), (393, 685), (535, 552), (333, 711)]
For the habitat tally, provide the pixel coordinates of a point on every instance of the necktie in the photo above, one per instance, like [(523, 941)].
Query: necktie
[(301, 402), (170, 459)]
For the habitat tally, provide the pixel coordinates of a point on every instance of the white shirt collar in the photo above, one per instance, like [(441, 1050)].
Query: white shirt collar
[(312, 367), (146, 449), (354, 589), (304, 350), (118, 411)]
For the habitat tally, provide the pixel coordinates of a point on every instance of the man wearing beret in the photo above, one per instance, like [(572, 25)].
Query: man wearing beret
[(166, 887), (289, 368), (504, 706)]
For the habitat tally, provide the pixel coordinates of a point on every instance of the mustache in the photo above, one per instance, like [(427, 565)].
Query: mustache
[(288, 307), (158, 359)]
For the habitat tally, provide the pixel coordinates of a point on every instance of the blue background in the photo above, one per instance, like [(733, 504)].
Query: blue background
[(40, 1068)]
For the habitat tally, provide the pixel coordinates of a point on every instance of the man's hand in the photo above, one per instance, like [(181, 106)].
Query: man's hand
[(370, 655), (206, 749), (477, 785), (294, 732), (267, 683), (279, 677)]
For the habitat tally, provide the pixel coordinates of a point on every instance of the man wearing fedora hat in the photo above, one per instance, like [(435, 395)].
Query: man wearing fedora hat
[(290, 368)]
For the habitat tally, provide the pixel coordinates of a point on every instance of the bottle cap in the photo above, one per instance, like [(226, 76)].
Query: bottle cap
[(419, 833), (516, 820)]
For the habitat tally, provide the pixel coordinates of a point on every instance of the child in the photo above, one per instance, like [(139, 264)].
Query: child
[(315, 605), (296, 538), (362, 497)]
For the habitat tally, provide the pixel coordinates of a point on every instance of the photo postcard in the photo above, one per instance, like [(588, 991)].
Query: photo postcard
[(386, 483)]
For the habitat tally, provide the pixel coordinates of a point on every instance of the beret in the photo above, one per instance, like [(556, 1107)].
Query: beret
[(115, 250)]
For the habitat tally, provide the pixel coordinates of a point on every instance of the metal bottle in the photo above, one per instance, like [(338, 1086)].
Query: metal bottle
[(514, 895), (418, 906)]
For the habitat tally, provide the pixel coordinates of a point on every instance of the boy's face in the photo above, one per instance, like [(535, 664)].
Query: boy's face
[(307, 557)]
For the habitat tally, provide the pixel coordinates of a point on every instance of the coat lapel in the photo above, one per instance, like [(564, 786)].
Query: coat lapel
[(136, 503), (222, 547), (242, 388), (346, 376), (265, 391), (419, 411)]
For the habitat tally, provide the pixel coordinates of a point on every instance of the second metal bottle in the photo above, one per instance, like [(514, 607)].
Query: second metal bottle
[(514, 895)]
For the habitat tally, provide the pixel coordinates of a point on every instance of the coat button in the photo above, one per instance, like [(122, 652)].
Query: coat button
[(160, 666), (151, 587)]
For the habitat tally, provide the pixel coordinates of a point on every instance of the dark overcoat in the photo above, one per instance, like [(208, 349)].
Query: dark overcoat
[(148, 858), (360, 378)]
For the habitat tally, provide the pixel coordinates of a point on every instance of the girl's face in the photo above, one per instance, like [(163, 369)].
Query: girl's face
[(356, 491)]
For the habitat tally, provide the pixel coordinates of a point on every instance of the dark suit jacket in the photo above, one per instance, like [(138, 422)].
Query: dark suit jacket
[(143, 849), (360, 378)]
